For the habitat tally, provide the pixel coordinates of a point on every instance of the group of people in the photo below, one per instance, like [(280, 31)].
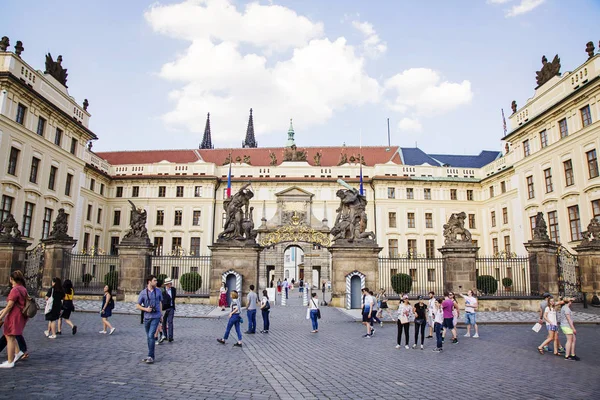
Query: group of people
[(557, 315)]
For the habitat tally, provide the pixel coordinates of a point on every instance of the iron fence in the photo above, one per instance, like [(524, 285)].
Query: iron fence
[(427, 274), (33, 270), (89, 273), (182, 269), (503, 276)]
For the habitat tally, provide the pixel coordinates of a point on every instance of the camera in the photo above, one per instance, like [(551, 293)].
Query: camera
[(152, 309)]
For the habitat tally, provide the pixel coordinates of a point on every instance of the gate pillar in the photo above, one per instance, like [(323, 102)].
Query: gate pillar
[(543, 266), (588, 256), (134, 268), (459, 266), (241, 259), (12, 257), (54, 259)]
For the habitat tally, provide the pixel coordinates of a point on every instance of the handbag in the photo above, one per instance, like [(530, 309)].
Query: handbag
[(308, 313), (536, 328), (49, 303), (318, 311), (403, 319)]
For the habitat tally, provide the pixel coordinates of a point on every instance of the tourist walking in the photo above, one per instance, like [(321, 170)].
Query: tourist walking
[(251, 303), (551, 327), (448, 307), (314, 312), (382, 299), (265, 308), (430, 313), (278, 285), (367, 312), (67, 308), (374, 318), (169, 294), (568, 328), (301, 286), (223, 297), (54, 298), (455, 310), (234, 320), (286, 287), (438, 321), (14, 319), (471, 305), (152, 299), (420, 312), (108, 303), (405, 311)]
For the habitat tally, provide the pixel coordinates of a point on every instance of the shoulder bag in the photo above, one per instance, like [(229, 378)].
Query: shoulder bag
[(49, 302), (318, 310)]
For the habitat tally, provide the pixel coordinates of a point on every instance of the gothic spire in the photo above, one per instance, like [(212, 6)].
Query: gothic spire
[(290, 141), (206, 139), (250, 140)]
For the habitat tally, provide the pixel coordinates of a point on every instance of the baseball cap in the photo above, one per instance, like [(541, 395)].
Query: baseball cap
[(545, 295)]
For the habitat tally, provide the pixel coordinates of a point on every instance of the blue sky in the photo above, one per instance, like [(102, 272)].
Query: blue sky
[(440, 70)]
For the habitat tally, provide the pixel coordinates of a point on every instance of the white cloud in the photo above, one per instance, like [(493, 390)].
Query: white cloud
[(372, 43), (524, 7), (498, 1), (409, 124)]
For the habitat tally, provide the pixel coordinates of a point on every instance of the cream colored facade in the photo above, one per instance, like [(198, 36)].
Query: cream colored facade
[(190, 194)]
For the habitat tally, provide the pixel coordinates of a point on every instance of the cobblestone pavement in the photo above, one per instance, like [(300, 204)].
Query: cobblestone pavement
[(292, 363)]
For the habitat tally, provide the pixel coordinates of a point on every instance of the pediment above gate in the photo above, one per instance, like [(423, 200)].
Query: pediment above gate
[(295, 193)]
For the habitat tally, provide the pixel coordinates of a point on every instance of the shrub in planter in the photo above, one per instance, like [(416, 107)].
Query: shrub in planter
[(507, 283), (111, 280), (161, 279), (401, 283), (487, 284), (87, 278), (190, 281)]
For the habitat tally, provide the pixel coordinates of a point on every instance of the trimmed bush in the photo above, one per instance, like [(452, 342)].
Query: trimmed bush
[(161, 279), (190, 281), (401, 283), (111, 280), (507, 282), (487, 284), (87, 278)]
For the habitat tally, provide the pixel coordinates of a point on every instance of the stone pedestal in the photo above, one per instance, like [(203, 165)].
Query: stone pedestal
[(543, 268), (12, 257), (459, 267), (588, 258), (346, 259), (54, 258), (134, 260), (241, 260)]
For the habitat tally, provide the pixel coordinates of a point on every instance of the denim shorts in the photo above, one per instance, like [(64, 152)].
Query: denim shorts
[(551, 328), (470, 318)]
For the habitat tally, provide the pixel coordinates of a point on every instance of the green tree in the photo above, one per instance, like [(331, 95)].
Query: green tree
[(401, 283), (190, 281)]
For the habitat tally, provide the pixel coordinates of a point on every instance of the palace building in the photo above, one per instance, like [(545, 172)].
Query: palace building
[(549, 164)]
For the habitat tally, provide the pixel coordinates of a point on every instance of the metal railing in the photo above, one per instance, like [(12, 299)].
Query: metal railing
[(181, 270), (509, 276), (89, 273), (427, 274)]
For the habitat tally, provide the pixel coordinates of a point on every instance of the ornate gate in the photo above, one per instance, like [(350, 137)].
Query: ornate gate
[(34, 268), (569, 281)]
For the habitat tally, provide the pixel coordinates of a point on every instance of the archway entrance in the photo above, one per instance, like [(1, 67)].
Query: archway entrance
[(293, 263), (233, 281), (355, 281)]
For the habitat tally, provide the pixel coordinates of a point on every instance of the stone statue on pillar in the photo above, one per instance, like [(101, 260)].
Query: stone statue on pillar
[(60, 226), (137, 234), (455, 232), (351, 221), (540, 232), (9, 230), (591, 237), (239, 224)]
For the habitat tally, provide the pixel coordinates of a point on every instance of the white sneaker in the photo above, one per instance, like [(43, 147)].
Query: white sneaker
[(381, 324), (6, 364), (468, 335), (476, 335), (422, 347), (414, 346), (52, 337), (112, 331), (102, 332), (47, 333), (398, 346), (406, 347), (18, 356)]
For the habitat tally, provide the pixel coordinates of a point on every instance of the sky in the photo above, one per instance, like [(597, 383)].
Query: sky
[(440, 70)]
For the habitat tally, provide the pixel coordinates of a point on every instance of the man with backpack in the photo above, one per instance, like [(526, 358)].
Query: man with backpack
[(168, 304), (151, 298)]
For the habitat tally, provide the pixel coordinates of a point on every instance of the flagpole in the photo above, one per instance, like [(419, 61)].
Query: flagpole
[(229, 177), (360, 156)]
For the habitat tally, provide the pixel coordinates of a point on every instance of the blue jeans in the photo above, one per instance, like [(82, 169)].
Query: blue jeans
[(251, 321), (167, 324), (233, 321), (437, 327), (266, 323), (151, 325), (286, 293), (314, 319)]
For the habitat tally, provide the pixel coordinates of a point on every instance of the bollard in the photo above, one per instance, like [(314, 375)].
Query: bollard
[(283, 299), (305, 297)]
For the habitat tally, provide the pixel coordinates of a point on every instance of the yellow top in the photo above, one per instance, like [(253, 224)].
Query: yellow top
[(69, 296)]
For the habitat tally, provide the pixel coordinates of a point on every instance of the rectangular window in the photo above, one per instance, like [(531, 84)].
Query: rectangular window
[(175, 244), (493, 218), (52, 178), (27, 216), (410, 193), (102, 189), (33, 173), (195, 246), (586, 116), (411, 244), (135, 191), (543, 139), (99, 216), (427, 194), (505, 215), (162, 191), (548, 180), (175, 271), (117, 217), (564, 131), (96, 244), (160, 217), (553, 226), (13, 161), (507, 244), (392, 219), (46, 222), (114, 245), (469, 195), (495, 246), (453, 194), (472, 221), (41, 126), (158, 245), (92, 184), (596, 209), (391, 193), (21, 110), (197, 191), (178, 217), (89, 212), (491, 191), (86, 241), (430, 248), (73, 149), (574, 223), (196, 218), (410, 219), (592, 163), (119, 191), (526, 150), (503, 187), (179, 191), (569, 177), (530, 188), (532, 224), (393, 247), (68, 184), (58, 136), (428, 220)]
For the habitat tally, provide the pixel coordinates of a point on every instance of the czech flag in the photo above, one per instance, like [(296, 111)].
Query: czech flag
[(362, 192), (229, 181)]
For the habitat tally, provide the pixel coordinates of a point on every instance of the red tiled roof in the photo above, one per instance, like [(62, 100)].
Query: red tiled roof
[(330, 156)]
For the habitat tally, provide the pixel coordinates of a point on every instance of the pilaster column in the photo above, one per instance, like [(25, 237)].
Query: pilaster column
[(543, 268), (459, 266)]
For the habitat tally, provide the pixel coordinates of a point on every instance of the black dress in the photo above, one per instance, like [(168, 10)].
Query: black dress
[(54, 314)]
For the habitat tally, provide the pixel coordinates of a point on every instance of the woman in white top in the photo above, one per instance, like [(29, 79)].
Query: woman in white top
[(265, 307), (551, 325), (405, 311), (314, 313)]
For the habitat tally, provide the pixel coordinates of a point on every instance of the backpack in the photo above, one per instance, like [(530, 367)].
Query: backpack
[(30, 308), (111, 303)]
